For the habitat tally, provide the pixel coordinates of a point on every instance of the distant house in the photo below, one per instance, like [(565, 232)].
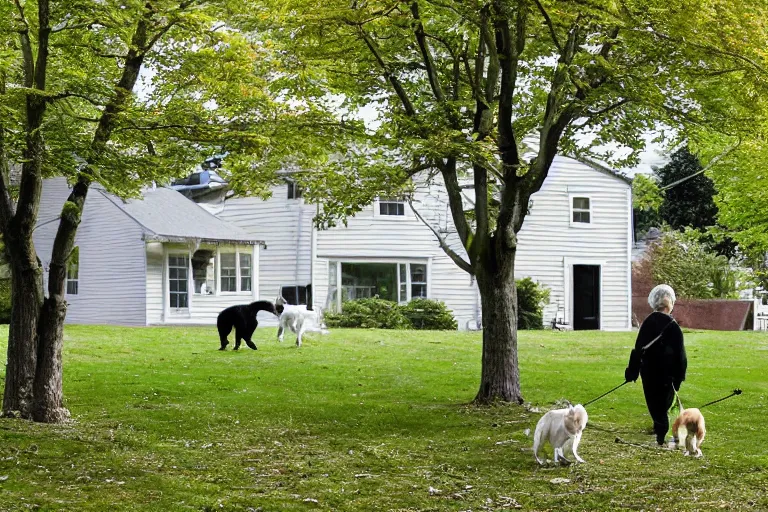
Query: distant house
[(157, 260), (577, 240)]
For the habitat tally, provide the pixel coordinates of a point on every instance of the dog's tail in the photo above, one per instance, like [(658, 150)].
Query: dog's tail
[(537, 440)]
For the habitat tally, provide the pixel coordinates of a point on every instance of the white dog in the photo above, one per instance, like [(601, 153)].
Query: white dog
[(298, 319), (558, 427)]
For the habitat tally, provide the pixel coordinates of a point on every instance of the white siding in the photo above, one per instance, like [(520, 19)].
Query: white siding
[(547, 242), (203, 309), (111, 272), (548, 245), (370, 236), (286, 227)]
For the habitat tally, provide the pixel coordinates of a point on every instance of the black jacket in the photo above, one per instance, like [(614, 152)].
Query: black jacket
[(665, 360)]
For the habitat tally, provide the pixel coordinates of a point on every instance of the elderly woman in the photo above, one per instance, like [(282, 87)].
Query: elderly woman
[(659, 358)]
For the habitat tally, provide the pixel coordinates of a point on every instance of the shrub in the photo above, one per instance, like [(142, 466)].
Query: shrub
[(531, 298), (692, 268), (5, 301), (429, 314), (368, 313), (384, 314)]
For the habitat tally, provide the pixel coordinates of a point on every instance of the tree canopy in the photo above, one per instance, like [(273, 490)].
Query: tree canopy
[(484, 95)]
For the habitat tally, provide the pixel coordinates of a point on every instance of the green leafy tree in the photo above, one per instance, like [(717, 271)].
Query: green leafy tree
[(68, 72), (646, 200), (458, 85), (690, 203), (682, 260)]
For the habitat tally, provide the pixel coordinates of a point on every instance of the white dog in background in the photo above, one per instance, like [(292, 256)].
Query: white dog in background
[(298, 319), (557, 427)]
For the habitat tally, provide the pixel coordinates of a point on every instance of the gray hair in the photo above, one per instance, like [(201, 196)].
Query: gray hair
[(662, 296)]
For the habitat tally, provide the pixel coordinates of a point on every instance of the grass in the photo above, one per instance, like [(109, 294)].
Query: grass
[(374, 420)]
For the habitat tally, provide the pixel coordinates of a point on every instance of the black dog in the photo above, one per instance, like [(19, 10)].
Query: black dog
[(243, 318)]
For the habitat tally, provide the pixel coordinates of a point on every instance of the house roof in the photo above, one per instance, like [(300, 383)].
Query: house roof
[(168, 216)]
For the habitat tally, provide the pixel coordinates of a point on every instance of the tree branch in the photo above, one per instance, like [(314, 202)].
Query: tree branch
[(456, 203), (711, 164), (458, 260), (548, 21), (63, 95), (426, 53), (399, 89), (710, 49)]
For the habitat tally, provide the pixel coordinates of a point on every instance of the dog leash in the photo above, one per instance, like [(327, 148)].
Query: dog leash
[(679, 402), (736, 391), (606, 393)]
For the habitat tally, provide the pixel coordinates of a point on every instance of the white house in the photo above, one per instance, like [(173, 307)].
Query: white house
[(161, 259), (577, 241)]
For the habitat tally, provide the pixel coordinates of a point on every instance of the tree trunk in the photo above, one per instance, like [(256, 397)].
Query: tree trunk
[(26, 300), (48, 400), (500, 379)]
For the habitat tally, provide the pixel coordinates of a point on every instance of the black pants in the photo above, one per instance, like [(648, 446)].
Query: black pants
[(659, 396)]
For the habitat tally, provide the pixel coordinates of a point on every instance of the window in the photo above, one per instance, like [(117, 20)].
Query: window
[(399, 282), (391, 206), (580, 210), (204, 271), (236, 272), (73, 270), (178, 272), (228, 272), (418, 280), (294, 294), (245, 272), (294, 190)]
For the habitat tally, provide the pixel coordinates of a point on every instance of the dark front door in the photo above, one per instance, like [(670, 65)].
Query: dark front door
[(586, 297)]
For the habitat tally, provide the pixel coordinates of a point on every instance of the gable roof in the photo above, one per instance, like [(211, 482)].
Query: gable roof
[(167, 216)]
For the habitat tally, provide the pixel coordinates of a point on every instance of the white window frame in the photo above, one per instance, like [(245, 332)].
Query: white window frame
[(190, 283), (237, 250), (406, 262), (568, 264), (298, 192), (377, 210), (571, 210)]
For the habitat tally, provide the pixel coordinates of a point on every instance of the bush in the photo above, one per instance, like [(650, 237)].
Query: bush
[(693, 269), (378, 313), (531, 298), (368, 313), (5, 301), (429, 314)]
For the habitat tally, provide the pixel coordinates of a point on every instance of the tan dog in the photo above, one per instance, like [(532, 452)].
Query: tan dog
[(558, 427), (690, 422)]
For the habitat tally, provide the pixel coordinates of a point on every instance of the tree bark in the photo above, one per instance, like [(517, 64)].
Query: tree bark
[(26, 301), (48, 395), (500, 379)]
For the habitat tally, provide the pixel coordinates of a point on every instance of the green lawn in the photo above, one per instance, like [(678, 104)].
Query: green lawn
[(371, 420)]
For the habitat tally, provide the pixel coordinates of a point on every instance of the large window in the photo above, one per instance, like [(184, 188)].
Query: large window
[(212, 270), (399, 282), (204, 271), (178, 278), (73, 271), (391, 207), (581, 212)]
